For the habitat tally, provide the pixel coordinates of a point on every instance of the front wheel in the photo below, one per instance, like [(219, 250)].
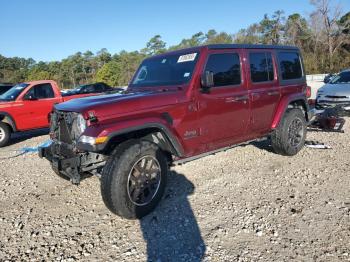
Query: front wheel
[(133, 179), (5, 134), (289, 137)]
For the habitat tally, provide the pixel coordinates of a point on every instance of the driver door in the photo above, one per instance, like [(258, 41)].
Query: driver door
[(37, 105), (224, 110)]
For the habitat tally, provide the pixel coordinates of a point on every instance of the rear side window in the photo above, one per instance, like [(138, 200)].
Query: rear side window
[(88, 89), (99, 87), (226, 69), (261, 68), (290, 65)]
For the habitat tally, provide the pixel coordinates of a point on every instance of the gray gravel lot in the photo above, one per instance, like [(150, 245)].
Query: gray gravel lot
[(245, 204)]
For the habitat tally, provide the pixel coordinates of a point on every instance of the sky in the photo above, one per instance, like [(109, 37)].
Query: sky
[(50, 30)]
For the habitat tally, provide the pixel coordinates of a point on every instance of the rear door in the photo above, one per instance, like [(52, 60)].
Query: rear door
[(292, 75), (264, 90), (224, 110)]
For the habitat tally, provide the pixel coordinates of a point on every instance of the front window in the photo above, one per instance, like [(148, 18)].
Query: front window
[(165, 70), (225, 68), (41, 91), (14, 92), (342, 78)]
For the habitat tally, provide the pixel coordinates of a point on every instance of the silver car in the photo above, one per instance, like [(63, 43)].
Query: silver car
[(335, 92)]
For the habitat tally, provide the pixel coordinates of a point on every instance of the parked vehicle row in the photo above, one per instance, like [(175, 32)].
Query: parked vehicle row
[(92, 89), (28, 105), (336, 92), (179, 106)]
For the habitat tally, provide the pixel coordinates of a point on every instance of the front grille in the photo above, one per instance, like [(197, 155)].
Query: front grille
[(333, 102), (63, 127), (63, 132), (336, 96)]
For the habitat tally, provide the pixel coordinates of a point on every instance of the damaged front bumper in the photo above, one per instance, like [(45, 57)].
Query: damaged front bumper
[(75, 165), (340, 103)]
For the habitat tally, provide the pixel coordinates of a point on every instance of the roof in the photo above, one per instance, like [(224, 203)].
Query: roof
[(250, 46), (226, 46), (36, 82)]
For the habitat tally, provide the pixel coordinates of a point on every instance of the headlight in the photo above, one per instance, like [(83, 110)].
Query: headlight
[(81, 123), (93, 140)]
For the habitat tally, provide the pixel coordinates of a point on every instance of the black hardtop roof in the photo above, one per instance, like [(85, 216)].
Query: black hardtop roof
[(227, 46), (250, 46)]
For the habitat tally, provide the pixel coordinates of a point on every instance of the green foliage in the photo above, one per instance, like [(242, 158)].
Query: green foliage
[(272, 28), (324, 39), (38, 75), (120, 70), (154, 46), (109, 73)]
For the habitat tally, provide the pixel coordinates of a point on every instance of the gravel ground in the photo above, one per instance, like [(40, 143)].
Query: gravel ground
[(245, 204)]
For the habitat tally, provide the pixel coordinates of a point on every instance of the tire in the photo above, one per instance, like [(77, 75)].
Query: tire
[(134, 179), (289, 137), (5, 134), (61, 175)]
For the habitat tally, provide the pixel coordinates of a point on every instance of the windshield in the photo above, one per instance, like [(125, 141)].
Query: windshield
[(165, 70), (14, 92), (342, 78)]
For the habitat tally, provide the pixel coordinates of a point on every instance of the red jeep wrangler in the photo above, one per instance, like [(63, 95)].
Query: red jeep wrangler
[(179, 106)]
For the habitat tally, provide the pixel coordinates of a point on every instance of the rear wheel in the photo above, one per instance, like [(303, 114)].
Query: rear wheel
[(5, 134), (133, 179), (289, 137)]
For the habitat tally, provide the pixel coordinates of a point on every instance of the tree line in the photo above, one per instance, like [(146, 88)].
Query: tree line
[(323, 38)]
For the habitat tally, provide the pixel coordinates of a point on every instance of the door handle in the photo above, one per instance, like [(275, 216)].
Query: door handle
[(241, 98), (230, 100), (255, 96), (273, 93)]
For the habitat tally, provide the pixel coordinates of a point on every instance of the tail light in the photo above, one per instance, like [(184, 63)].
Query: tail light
[(307, 91)]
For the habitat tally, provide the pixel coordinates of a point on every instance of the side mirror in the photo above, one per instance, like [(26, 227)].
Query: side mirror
[(207, 81)]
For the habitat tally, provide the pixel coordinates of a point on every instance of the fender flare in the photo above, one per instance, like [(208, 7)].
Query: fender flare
[(172, 139), (283, 106), (10, 120)]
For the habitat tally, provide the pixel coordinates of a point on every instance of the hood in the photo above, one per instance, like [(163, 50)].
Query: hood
[(335, 89), (112, 104), (6, 103)]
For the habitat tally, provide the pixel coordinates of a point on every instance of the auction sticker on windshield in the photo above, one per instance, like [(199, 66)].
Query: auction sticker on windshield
[(187, 58)]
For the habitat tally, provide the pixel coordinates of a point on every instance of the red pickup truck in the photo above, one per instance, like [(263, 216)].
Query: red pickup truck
[(27, 106), (180, 106)]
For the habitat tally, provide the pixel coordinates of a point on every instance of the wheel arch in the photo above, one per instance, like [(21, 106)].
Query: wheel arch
[(155, 132), (8, 119), (291, 102)]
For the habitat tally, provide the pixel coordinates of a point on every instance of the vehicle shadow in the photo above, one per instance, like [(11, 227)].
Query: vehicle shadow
[(171, 231), (264, 145), (22, 136)]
